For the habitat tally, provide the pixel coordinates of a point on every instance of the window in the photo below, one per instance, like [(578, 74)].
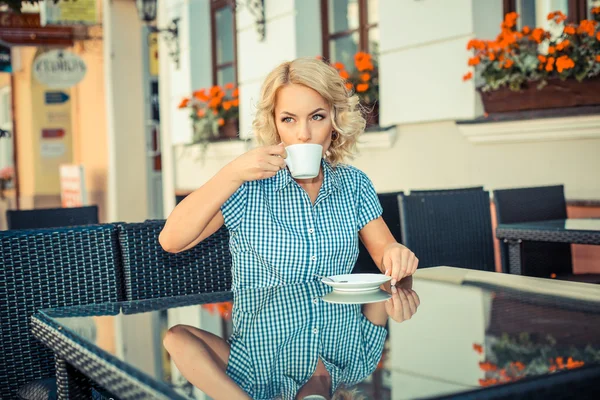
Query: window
[(224, 52), (349, 26), (534, 12)]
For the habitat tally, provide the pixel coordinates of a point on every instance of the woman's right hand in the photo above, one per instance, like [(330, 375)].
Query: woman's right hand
[(260, 163)]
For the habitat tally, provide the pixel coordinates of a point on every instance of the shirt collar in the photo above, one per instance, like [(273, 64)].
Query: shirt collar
[(331, 180)]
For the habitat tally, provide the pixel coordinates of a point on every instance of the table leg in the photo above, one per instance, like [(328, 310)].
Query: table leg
[(70, 383), (514, 256)]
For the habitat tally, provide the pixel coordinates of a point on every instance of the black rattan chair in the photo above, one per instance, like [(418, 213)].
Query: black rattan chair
[(150, 272), (48, 268), (540, 203), (391, 216), (51, 217), (451, 228)]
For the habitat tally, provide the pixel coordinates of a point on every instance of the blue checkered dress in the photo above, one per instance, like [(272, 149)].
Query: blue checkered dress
[(279, 237), (279, 334)]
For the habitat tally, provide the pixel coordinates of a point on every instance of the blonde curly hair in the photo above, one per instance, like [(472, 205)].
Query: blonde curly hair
[(346, 112)]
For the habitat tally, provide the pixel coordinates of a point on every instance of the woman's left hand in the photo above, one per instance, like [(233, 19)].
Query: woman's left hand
[(399, 262)]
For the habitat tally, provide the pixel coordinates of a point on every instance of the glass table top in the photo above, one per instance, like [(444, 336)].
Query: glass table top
[(446, 331)]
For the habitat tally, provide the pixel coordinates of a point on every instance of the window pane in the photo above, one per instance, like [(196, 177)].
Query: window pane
[(343, 15), (374, 42), (224, 30), (225, 75), (534, 13), (373, 11), (343, 49)]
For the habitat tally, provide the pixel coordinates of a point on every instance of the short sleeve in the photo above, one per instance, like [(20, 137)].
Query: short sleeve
[(234, 208), (369, 207)]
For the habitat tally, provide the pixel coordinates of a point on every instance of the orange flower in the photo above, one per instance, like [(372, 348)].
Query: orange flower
[(564, 62), (349, 86), (538, 35), (563, 45), (488, 382), (557, 16), (510, 20), (569, 30), (550, 65), (571, 364), (344, 74), (492, 56), (201, 95), (227, 105), (526, 30), (184, 103), (361, 57), (215, 113), (338, 65), (487, 366), (596, 10), (518, 365), (598, 36), (474, 60), (478, 348), (236, 92), (542, 58), (214, 102), (221, 122), (508, 63), (365, 65), (598, 58), (229, 86), (476, 44), (362, 87), (551, 50), (466, 77), (235, 103), (365, 77), (587, 27), (215, 90), (201, 113)]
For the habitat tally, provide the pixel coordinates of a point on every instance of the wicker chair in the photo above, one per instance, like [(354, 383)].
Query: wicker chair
[(540, 203), (391, 216), (451, 228), (48, 268), (150, 272), (51, 217)]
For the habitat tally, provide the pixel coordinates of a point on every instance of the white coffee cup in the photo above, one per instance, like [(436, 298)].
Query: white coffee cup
[(304, 160)]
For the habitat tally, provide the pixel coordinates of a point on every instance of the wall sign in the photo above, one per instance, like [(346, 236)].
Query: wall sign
[(59, 69)]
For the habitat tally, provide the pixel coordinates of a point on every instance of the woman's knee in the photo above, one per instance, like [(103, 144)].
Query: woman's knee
[(174, 336)]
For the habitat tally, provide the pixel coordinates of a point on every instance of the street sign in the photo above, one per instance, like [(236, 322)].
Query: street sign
[(56, 97)]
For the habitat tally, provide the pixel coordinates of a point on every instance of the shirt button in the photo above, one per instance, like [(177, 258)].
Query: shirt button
[(315, 331), (311, 230), (315, 300), (314, 258)]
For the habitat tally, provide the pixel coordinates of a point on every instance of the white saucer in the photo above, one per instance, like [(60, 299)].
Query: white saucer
[(356, 282), (374, 296)]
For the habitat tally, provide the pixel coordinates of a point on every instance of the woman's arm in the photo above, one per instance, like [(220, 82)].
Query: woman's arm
[(391, 257), (199, 215)]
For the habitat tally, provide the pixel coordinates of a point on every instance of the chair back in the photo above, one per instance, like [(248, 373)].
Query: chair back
[(541, 203), (51, 217), (451, 228), (48, 268), (150, 272)]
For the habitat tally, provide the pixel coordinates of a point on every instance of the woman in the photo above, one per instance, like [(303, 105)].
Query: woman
[(286, 230)]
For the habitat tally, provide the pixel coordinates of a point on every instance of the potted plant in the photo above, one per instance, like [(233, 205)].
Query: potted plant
[(214, 113), (363, 78), (537, 69)]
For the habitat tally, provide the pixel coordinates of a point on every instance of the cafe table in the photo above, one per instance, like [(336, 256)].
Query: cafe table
[(444, 333), (572, 230)]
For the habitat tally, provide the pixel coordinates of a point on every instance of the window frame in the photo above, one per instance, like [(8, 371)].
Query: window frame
[(363, 28), (578, 9), (216, 5)]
